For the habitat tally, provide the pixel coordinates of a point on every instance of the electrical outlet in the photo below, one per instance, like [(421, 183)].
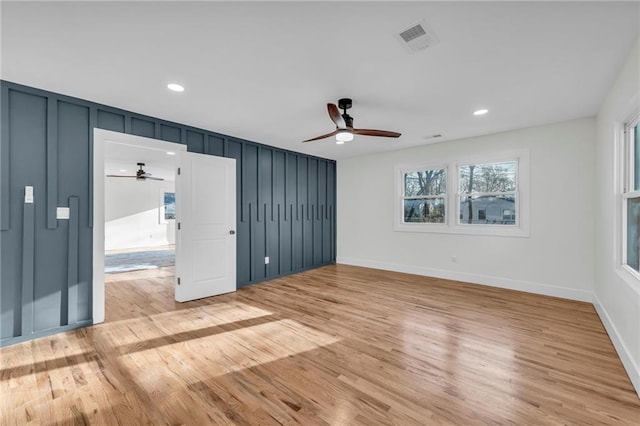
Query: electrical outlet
[(266, 260)]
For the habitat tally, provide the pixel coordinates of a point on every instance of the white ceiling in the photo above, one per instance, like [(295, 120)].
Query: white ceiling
[(119, 157), (264, 71)]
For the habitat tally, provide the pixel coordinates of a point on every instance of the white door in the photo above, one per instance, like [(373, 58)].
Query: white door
[(206, 218)]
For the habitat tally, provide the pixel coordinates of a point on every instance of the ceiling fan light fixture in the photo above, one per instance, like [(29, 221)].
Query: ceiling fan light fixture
[(344, 136)]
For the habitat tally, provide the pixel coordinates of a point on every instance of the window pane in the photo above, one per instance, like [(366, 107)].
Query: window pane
[(169, 205), (424, 210), (489, 177), (488, 210), (428, 182), (633, 233), (635, 165)]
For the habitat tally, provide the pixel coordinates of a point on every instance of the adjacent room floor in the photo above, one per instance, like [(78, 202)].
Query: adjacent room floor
[(338, 345), (139, 258)]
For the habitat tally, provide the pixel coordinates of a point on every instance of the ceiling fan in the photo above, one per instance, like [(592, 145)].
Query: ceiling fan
[(140, 174), (344, 125)]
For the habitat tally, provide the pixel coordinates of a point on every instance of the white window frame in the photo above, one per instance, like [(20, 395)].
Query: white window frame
[(460, 195), (399, 216), (627, 190), (452, 223)]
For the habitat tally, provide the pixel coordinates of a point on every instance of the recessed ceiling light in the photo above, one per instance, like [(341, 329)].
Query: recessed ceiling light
[(175, 87), (171, 153), (122, 170), (481, 112)]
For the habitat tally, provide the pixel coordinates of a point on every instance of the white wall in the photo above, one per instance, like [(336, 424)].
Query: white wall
[(617, 294), (132, 214), (557, 257)]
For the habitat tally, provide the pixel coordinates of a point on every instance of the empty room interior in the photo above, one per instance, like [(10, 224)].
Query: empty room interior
[(320, 213)]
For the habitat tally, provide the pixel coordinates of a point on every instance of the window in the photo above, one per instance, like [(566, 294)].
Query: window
[(424, 196), (631, 196), (487, 193), (167, 206)]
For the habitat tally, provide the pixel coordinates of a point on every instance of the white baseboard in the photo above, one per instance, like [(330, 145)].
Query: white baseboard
[(530, 287), (633, 371)]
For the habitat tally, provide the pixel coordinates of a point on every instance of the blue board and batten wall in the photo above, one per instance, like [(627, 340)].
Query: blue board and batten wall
[(285, 205)]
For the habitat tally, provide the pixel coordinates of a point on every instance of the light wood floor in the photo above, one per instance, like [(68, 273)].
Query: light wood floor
[(338, 345)]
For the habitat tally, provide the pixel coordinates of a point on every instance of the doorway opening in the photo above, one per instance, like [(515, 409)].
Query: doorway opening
[(134, 211), (197, 214)]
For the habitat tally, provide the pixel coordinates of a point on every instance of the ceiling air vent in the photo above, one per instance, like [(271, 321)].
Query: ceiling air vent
[(417, 37)]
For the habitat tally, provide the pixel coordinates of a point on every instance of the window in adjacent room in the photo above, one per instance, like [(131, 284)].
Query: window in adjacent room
[(631, 196), (167, 206), (424, 195), (488, 193)]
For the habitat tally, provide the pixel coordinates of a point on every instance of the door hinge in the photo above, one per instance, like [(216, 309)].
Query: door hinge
[(179, 226), (178, 280), (178, 170)]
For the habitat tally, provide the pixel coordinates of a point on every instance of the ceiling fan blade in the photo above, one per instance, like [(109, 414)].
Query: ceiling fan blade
[(323, 136), (153, 178), (334, 113), (371, 132), (121, 176)]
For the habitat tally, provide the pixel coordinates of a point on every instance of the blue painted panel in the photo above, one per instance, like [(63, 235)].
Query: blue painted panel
[(74, 128), (142, 127), (27, 125), (264, 183), (170, 133), (250, 177), (52, 162), (243, 236), (28, 242), (303, 189), (291, 181), (110, 121), (195, 142), (216, 146), (278, 181)]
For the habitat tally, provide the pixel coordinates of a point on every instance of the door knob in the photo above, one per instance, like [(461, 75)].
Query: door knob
[(232, 232)]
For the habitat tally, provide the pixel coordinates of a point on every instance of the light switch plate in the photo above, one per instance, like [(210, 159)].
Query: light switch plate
[(62, 213), (28, 194)]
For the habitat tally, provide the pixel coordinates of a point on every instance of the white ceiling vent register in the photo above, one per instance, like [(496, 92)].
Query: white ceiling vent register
[(417, 37)]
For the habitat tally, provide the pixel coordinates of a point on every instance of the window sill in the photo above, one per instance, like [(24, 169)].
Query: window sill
[(483, 230)]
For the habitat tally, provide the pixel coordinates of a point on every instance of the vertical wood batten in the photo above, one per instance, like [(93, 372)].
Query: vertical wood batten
[(73, 260), (4, 160), (28, 265), (93, 123), (52, 162)]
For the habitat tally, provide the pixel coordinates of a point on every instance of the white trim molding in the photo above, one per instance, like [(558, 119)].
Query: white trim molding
[(507, 283), (632, 369)]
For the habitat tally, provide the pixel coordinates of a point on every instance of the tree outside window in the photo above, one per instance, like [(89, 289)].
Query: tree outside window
[(424, 196), (488, 193)]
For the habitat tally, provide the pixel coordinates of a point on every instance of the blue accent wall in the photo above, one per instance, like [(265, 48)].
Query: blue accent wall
[(286, 205)]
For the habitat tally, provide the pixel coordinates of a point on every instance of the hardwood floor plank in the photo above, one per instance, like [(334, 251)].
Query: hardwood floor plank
[(338, 345)]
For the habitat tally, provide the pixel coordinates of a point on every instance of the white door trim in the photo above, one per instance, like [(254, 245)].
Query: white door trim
[(100, 138)]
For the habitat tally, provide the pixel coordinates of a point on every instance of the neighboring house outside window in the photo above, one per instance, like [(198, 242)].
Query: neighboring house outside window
[(490, 188)]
